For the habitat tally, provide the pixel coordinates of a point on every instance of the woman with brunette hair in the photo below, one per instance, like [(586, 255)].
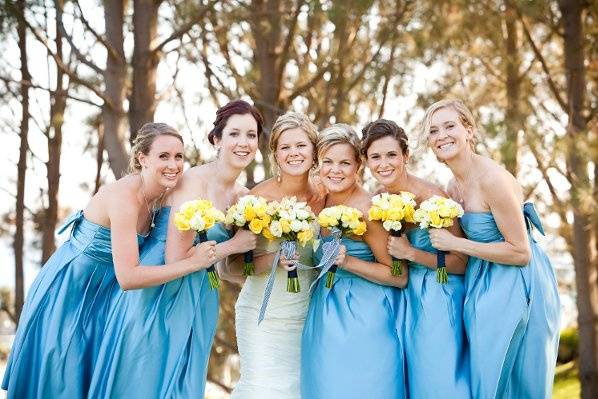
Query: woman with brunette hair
[(163, 335), (63, 321), (435, 345), (511, 310), (270, 352)]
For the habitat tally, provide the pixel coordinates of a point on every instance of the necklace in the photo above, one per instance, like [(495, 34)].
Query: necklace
[(151, 212)]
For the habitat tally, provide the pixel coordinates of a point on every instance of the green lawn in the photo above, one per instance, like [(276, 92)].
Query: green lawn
[(566, 382)]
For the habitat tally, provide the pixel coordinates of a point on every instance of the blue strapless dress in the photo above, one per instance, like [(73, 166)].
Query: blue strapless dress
[(511, 316), (62, 323), (158, 339), (435, 342), (350, 346)]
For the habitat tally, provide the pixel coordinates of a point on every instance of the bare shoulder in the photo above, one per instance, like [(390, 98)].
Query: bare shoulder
[(495, 180), (191, 185), (362, 201), (240, 190), (426, 189), (265, 189)]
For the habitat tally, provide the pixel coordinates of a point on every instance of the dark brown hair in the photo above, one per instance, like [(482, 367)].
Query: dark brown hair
[(236, 107), (382, 128)]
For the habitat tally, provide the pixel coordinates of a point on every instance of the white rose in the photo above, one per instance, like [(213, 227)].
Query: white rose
[(276, 228), (197, 223), (296, 225)]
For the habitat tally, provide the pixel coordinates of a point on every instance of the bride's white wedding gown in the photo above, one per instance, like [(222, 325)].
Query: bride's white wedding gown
[(270, 353)]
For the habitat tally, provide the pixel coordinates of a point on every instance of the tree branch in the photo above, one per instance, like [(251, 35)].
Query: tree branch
[(177, 34), (99, 38), (540, 58), (288, 43)]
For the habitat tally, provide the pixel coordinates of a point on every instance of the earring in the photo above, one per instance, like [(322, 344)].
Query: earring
[(218, 152), (278, 178)]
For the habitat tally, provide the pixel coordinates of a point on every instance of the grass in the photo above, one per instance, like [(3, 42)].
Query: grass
[(566, 382)]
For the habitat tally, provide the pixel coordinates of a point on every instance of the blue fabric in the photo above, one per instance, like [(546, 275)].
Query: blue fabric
[(435, 342), (350, 346), (158, 339), (511, 316), (63, 319)]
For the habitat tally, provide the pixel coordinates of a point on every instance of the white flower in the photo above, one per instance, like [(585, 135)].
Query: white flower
[(197, 223), (275, 228), (296, 226)]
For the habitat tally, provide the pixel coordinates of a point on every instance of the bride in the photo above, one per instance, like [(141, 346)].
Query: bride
[(270, 352)]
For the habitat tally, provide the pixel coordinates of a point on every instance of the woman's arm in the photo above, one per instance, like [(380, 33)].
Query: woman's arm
[(125, 252), (379, 272), (502, 199), (401, 248)]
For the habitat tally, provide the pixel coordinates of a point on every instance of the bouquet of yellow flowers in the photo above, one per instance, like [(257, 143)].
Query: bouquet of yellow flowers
[(200, 215), (438, 212), (341, 220), (251, 213), (291, 221), (393, 210)]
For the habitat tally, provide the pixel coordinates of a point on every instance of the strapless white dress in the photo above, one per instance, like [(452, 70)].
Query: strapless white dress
[(270, 353)]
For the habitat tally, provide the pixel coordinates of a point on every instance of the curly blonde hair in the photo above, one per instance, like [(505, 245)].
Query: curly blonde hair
[(291, 120)]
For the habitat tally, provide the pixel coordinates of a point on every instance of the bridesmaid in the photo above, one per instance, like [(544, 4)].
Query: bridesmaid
[(435, 345), (63, 321), (511, 309), (162, 336), (270, 352), (351, 347)]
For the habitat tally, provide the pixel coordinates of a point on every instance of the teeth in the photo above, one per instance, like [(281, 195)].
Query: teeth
[(385, 172), (443, 146), (295, 162), (242, 154)]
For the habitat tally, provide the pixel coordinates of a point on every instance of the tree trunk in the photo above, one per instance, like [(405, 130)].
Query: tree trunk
[(513, 118), (142, 103), (584, 260), (265, 25), (115, 76), (22, 165), (57, 109), (99, 156)]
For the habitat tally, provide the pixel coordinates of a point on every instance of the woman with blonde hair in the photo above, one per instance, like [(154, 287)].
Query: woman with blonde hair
[(270, 353), (351, 347), (68, 306), (511, 310), (163, 335)]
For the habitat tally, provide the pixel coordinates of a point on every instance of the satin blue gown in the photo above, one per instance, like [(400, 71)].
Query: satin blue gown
[(158, 339), (511, 316), (435, 343), (63, 319), (350, 346)]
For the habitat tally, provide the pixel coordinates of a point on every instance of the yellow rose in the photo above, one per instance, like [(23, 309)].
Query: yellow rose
[(360, 229), (435, 220), (256, 226), (285, 224), (266, 233), (266, 219), (375, 213), (304, 236), (181, 222), (260, 210), (249, 213), (395, 214)]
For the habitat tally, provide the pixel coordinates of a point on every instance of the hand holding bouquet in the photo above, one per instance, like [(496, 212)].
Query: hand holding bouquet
[(393, 210), (250, 213), (342, 221), (291, 221), (438, 212), (200, 215)]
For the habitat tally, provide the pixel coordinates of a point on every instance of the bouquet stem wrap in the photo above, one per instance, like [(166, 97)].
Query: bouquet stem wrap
[(213, 278), (287, 249), (396, 268), (441, 274), (249, 268)]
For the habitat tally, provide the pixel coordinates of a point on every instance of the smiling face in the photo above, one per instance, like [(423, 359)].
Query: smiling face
[(163, 164), (294, 152), (447, 136), (338, 167), (239, 141), (386, 160)]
